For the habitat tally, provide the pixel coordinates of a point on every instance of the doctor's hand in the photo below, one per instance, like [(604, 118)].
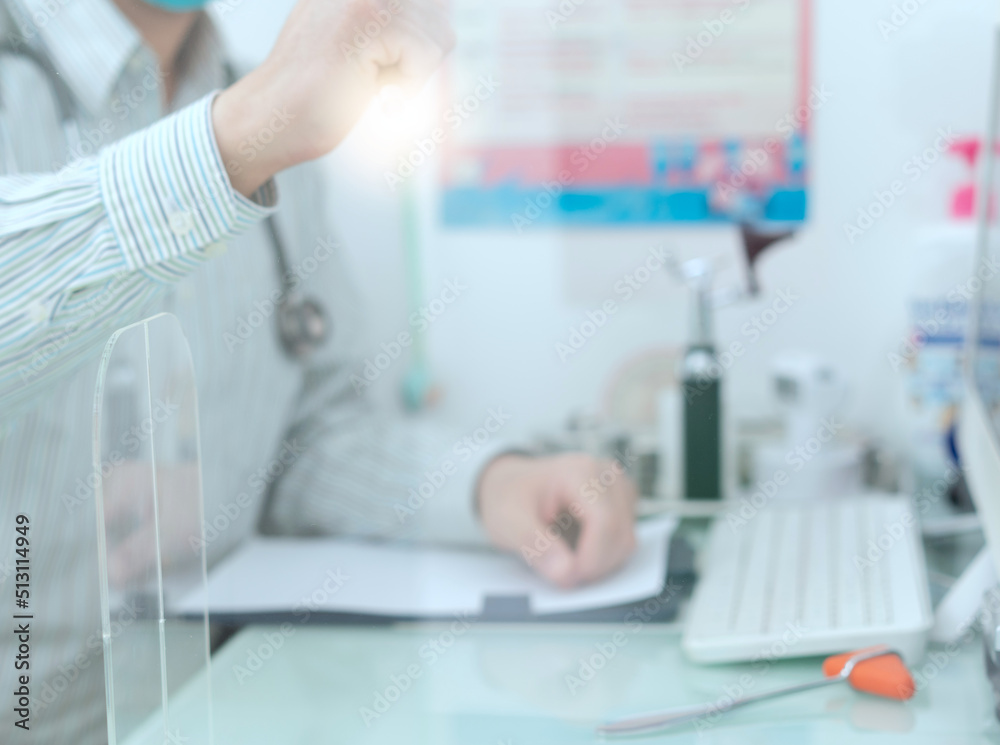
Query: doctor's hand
[(329, 61), (570, 517)]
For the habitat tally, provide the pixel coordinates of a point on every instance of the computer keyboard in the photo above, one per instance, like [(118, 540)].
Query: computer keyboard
[(800, 578)]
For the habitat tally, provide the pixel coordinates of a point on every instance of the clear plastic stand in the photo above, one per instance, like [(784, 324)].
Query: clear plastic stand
[(150, 537)]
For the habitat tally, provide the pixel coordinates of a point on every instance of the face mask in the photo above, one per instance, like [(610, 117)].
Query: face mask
[(179, 6)]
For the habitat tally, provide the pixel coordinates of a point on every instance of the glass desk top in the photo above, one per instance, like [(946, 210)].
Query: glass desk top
[(494, 685)]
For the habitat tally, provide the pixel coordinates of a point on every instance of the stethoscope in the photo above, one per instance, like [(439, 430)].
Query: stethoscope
[(302, 322)]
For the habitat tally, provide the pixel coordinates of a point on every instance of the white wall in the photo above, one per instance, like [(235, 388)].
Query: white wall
[(496, 345)]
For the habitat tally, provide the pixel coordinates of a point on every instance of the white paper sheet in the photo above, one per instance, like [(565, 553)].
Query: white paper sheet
[(276, 575)]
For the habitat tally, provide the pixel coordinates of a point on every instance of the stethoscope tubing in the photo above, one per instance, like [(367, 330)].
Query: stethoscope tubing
[(302, 323)]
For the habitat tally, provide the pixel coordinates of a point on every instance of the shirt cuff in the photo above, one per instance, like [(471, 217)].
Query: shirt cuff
[(450, 515), (168, 195)]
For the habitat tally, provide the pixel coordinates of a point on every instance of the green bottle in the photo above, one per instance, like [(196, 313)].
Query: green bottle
[(701, 386)]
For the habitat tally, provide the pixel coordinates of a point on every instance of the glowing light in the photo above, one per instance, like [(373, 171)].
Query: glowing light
[(395, 118), (392, 100)]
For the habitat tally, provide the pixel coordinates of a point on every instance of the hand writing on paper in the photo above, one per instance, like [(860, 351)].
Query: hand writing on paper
[(570, 517)]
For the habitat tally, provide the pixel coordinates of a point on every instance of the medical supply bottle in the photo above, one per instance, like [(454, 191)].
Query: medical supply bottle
[(701, 388)]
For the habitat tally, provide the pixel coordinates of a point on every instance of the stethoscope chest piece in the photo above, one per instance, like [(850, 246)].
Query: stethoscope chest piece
[(302, 326), (302, 323)]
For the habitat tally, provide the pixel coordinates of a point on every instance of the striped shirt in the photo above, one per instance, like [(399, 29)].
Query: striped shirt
[(132, 220)]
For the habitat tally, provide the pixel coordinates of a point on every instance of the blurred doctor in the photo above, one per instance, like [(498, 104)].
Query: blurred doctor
[(159, 207)]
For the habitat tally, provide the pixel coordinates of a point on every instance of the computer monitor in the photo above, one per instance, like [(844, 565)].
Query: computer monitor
[(979, 432), (979, 424), (974, 595)]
